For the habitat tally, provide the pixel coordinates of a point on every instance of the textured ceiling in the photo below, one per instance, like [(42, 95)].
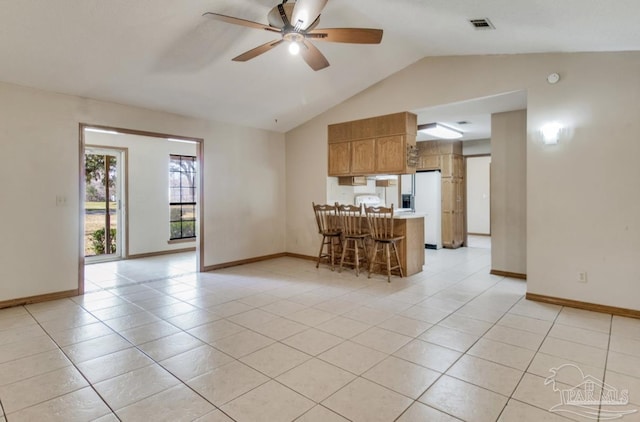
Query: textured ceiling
[(164, 55)]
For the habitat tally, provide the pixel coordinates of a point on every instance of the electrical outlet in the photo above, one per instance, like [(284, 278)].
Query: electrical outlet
[(582, 277)]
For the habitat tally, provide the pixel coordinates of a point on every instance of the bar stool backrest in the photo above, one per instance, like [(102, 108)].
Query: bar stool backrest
[(327, 218), (380, 220), (351, 219)]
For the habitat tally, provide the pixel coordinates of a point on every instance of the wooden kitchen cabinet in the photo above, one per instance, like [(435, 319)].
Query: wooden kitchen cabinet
[(385, 183), (362, 156), (452, 165), (446, 156), (340, 159), (453, 212), (376, 145), (431, 162), (352, 180), (391, 154)]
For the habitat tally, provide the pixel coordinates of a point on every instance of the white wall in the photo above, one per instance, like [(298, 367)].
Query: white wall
[(509, 192), (244, 198), (148, 185), (389, 195), (476, 147), (582, 197), (478, 195)]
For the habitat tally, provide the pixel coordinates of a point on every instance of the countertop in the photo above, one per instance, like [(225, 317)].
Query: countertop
[(408, 215)]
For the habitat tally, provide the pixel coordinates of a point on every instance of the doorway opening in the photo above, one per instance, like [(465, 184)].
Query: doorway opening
[(141, 207), (478, 194)]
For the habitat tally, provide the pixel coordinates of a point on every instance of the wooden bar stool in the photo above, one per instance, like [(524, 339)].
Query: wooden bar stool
[(329, 227), (354, 236), (380, 221)]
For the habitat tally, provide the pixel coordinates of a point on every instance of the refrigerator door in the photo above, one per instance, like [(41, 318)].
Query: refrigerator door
[(428, 200)]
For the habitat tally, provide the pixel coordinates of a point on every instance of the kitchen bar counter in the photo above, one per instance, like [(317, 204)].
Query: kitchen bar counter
[(407, 215), (411, 248)]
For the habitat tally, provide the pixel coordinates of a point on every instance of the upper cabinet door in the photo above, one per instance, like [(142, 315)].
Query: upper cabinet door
[(363, 156), (340, 159), (391, 154)]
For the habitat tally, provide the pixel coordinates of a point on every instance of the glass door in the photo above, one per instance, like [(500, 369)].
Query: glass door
[(103, 222)]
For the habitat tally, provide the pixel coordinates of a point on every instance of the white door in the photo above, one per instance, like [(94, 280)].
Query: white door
[(428, 200)]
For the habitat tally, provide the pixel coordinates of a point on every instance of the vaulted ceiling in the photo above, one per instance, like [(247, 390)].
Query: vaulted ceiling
[(163, 55)]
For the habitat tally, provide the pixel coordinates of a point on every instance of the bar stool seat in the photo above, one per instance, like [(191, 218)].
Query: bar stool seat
[(329, 227), (380, 220), (354, 237)]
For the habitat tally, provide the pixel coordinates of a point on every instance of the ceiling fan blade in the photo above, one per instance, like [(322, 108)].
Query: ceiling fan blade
[(248, 55), (305, 12), (314, 58), (347, 35), (241, 22)]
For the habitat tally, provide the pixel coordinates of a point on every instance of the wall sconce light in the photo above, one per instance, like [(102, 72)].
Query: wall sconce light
[(551, 133)]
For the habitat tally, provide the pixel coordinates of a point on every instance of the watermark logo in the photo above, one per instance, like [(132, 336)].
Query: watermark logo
[(591, 398)]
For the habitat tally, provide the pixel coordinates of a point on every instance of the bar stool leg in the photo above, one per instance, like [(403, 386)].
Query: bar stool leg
[(387, 253), (344, 250), (395, 249), (332, 254), (373, 258), (324, 238), (357, 257)]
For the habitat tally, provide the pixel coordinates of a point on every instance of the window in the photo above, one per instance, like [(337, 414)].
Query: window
[(182, 196)]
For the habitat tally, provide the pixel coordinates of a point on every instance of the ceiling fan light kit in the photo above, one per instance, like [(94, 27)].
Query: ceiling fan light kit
[(296, 23), (294, 48)]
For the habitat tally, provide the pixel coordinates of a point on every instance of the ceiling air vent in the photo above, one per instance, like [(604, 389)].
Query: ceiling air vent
[(482, 23), (462, 122)]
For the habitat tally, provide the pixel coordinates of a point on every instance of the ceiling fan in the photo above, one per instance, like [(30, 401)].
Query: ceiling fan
[(296, 23)]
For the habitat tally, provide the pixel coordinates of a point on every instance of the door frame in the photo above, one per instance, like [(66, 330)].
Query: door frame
[(123, 182), (82, 187), (466, 204)]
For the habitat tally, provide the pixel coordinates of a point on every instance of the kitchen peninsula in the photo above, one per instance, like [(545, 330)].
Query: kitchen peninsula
[(381, 145), (411, 248)]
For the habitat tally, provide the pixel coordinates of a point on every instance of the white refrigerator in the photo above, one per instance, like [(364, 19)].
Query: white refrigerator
[(428, 201)]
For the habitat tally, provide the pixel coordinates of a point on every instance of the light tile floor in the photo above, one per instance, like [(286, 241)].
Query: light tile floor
[(280, 340)]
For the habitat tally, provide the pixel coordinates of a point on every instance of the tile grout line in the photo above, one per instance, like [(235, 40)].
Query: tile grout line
[(210, 345), (141, 351), (135, 346), (235, 359), (524, 373), (461, 353), (606, 361), (465, 353), (309, 327), (343, 341), (90, 384)]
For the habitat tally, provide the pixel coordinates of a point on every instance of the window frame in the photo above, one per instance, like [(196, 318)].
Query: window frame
[(182, 203)]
